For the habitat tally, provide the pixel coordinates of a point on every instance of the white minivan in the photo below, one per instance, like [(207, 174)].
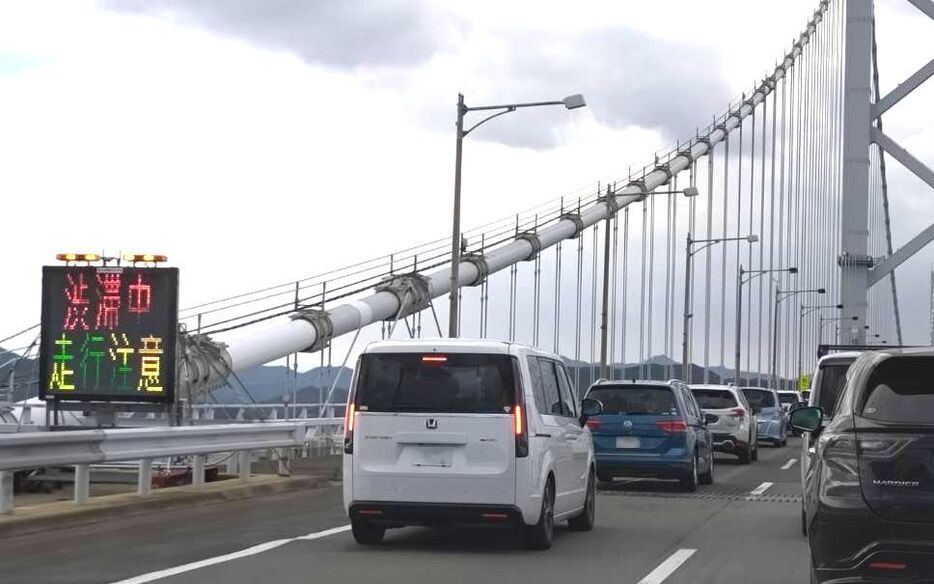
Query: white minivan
[(460, 431)]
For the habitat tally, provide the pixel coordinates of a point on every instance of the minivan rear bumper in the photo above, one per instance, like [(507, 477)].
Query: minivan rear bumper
[(398, 514)]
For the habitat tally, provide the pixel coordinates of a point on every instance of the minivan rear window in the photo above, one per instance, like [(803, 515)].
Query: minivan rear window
[(901, 389), (636, 400), (760, 398), (714, 399), (451, 383)]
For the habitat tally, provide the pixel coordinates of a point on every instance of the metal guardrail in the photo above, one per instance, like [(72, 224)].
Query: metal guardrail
[(81, 448)]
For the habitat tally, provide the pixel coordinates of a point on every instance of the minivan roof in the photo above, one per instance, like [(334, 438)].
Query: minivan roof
[(842, 356), (444, 345), (627, 383)]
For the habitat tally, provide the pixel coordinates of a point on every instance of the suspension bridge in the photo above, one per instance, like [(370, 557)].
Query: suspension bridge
[(728, 257)]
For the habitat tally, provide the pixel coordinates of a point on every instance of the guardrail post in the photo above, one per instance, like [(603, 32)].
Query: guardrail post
[(285, 468), (144, 479), (82, 483), (197, 470), (6, 491), (243, 464)]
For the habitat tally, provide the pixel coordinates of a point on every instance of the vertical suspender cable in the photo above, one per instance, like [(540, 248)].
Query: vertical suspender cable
[(724, 247), (752, 198), (613, 290), (650, 323), (765, 281), (645, 216), (593, 302), (667, 338), (672, 243), (709, 265), (557, 325), (624, 318), (692, 216), (577, 329)]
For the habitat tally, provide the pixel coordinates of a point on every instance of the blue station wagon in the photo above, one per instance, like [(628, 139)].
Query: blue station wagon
[(651, 429)]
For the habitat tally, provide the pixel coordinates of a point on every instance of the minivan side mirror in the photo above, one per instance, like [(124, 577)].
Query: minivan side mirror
[(710, 419), (756, 410), (590, 407), (807, 419)]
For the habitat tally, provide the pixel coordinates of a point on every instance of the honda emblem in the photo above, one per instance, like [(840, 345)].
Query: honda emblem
[(431, 424)]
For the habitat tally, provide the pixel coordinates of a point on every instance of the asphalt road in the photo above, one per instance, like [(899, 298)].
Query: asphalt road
[(647, 533)]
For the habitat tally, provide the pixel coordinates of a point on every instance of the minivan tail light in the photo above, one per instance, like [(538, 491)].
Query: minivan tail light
[(348, 428), (594, 424), (434, 359), (672, 426), (738, 413), (520, 427)]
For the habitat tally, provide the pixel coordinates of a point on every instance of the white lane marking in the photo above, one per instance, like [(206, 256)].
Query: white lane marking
[(250, 551), (761, 489), (790, 463), (668, 567)]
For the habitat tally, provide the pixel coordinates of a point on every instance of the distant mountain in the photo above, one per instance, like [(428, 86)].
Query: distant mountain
[(270, 384)]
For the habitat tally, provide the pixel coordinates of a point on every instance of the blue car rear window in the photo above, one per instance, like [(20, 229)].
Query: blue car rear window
[(634, 400)]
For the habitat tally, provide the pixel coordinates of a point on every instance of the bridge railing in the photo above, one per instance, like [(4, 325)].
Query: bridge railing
[(82, 448), (264, 411)]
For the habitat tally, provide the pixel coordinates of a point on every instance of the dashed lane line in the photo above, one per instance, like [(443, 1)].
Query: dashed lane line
[(250, 551), (668, 567), (789, 464), (760, 489)]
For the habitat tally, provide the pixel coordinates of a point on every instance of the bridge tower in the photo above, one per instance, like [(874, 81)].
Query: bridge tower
[(854, 260)]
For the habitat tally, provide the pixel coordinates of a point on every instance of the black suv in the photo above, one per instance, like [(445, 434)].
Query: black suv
[(869, 494)]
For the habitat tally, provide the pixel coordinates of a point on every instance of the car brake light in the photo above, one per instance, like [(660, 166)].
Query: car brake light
[(738, 413), (888, 566), (517, 417), (434, 359), (594, 424), (348, 428), (672, 426)]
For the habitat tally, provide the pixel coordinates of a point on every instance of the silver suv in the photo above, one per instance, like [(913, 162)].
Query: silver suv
[(735, 429)]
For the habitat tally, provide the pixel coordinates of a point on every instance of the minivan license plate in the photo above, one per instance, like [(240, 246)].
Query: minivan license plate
[(432, 456), (627, 442)]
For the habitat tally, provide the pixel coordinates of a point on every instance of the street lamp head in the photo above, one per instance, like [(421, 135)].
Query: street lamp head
[(574, 101), (691, 192), (821, 291), (792, 270), (752, 238)]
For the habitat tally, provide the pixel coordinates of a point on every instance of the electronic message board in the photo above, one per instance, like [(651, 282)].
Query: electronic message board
[(108, 333)]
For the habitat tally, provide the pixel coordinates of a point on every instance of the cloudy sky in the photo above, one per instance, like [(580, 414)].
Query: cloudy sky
[(291, 137)]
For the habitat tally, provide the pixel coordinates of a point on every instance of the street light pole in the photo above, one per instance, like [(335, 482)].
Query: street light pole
[(456, 232), (570, 102), (606, 298), (686, 367)]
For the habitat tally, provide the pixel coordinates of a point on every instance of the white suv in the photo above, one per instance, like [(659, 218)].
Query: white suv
[(735, 430), (453, 431)]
